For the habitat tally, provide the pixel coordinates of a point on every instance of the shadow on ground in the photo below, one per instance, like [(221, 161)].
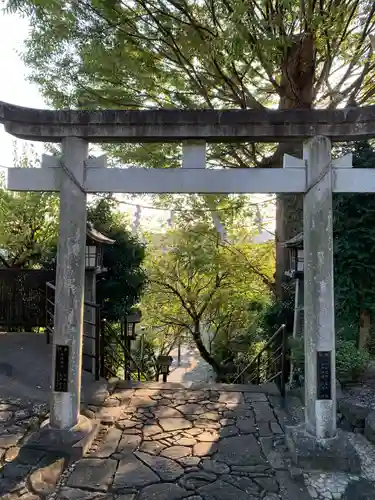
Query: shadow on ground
[(30, 471), (25, 373), (197, 441), (191, 440)]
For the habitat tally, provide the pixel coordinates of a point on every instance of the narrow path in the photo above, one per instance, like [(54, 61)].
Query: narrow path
[(192, 367), (166, 442)]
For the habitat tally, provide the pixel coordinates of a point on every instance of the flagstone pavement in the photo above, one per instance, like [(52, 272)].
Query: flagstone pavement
[(166, 442)]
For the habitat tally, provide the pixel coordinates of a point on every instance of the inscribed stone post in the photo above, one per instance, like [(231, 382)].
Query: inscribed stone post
[(319, 325), (70, 273)]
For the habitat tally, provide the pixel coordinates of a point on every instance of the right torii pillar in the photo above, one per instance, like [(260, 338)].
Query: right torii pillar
[(319, 308), (317, 443)]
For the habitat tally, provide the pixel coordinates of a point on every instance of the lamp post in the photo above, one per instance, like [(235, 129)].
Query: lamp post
[(296, 256), (164, 363), (129, 334), (94, 254)]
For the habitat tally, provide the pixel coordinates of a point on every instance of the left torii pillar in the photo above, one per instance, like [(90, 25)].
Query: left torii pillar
[(66, 429), (69, 295)]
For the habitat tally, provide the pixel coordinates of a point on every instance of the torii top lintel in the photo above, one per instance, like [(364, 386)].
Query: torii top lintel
[(172, 125)]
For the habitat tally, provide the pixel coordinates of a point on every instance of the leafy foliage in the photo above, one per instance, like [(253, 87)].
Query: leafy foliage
[(120, 288), (280, 312), (190, 54), (354, 249), (200, 286), (94, 54), (351, 362), (28, 222)]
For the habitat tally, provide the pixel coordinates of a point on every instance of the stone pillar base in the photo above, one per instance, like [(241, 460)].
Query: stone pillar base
[(73, 443), (335, 454)]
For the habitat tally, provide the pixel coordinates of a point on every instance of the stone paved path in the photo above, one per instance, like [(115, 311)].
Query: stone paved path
[(192, 367), (18, 418), (165, 442)]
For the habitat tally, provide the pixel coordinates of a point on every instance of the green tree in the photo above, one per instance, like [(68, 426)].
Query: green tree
[(198, 285), (354, 249), (354, 255), (222, 54), (28, 222), (120, 287)]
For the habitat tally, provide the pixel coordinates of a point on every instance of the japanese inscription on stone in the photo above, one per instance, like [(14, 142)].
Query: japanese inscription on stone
[(61, 368), (324, 375)]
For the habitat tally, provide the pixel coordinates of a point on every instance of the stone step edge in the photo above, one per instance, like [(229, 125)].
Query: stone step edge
[(268, 388)]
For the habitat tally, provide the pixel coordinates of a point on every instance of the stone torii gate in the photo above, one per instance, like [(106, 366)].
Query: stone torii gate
[(317, 176)]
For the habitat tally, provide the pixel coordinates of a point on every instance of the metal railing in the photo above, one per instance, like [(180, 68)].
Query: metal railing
[(50, 311), (106, 351), (91, 355), (270, 364), (116, 355)]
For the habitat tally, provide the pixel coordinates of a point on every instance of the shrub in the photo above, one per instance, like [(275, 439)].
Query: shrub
[(297, 357), (279, 312), (351, 362)]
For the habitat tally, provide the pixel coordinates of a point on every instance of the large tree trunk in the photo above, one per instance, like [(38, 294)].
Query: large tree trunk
[(203, 351), (297, 80)]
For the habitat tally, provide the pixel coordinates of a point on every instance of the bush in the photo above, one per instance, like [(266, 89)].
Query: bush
[(351, 362), (278, 313), (297, 358)]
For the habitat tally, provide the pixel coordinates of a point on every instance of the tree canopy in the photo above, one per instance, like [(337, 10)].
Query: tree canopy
[(204, 288), (28, 222), (226, 54), (120, 287), (91, 54)]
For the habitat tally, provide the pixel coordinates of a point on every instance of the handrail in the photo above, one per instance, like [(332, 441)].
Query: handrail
[(94, 324), (257, 357), (86, 302), (104, 350), (126, 352)]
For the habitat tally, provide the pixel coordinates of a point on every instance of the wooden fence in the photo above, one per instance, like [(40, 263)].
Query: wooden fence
[(22, 298)]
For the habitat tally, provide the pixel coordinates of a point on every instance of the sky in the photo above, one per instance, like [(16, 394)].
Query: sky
[(16, 89)]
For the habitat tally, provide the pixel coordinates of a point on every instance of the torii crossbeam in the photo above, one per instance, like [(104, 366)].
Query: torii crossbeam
[(174, 125)]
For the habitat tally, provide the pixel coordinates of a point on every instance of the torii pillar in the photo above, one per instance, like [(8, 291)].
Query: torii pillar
[(317, 443), (66, 429)]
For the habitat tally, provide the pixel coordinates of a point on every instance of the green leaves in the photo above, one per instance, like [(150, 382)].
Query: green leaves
[(224, 54), (354, 249), (351, 363), (28, 222), (120, 288), (202, 287)]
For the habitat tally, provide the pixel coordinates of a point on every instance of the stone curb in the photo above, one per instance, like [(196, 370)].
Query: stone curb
[(268, 388)]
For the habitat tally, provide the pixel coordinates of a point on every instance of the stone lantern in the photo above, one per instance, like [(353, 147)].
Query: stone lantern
[(296, 258), (95, 242), (94, 249), (296, 273), (129, 334), (131, 321), (163, 364)]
